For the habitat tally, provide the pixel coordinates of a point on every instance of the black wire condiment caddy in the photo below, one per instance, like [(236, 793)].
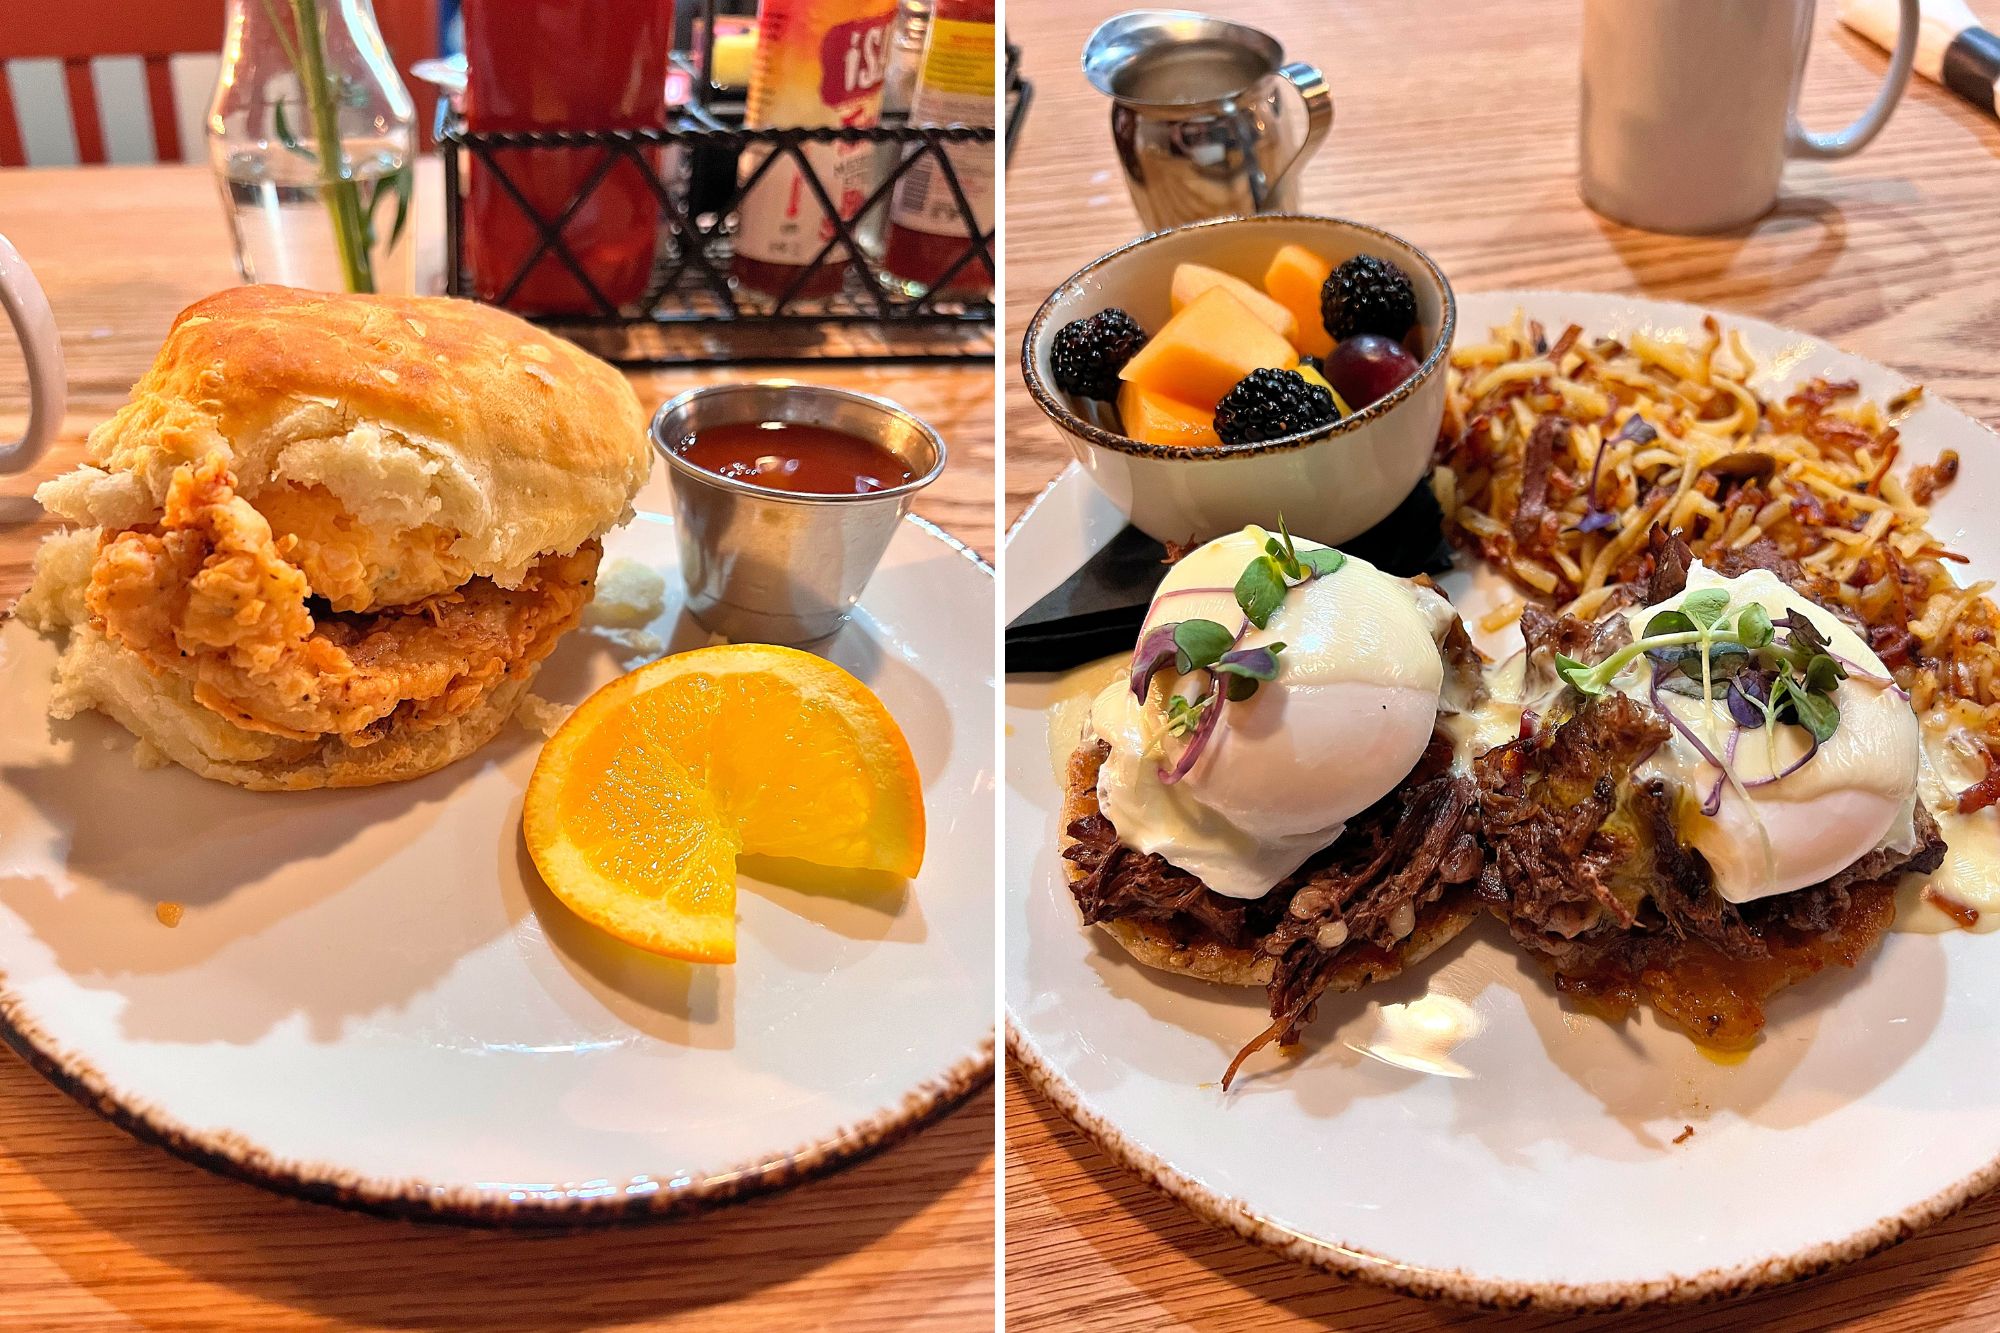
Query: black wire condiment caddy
[(692, 309)]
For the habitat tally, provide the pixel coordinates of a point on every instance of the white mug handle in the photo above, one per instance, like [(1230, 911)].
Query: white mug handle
[(34, 324), (1801, 142)]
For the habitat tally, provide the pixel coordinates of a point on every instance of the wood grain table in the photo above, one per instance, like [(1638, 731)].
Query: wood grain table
[(99, 1231), (1455, 126)]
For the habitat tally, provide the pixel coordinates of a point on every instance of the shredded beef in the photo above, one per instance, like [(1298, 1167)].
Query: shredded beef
[(1547, 633), (1532, 529), (1120, 884), (1544, 804), (1392, 861), (1365, 892), (1587, 871), (1671, 561), (1672, 557)]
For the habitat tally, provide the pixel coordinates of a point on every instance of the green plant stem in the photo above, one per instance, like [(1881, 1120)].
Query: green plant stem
[(337, 185)]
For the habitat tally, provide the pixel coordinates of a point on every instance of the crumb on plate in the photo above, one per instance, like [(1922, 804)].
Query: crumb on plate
[(629, 595)]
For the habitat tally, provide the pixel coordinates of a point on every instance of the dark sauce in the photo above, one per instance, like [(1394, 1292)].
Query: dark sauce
[(792, 456)]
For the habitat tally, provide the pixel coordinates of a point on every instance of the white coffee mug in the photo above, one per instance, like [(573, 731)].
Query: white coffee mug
[(34, 324), (1690, 107)]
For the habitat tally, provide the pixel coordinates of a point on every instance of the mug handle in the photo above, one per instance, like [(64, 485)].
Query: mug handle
[(1310, 85), (34, 324), (1801, 142)]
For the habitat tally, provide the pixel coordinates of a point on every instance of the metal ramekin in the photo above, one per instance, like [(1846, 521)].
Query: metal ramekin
[(772, 566)]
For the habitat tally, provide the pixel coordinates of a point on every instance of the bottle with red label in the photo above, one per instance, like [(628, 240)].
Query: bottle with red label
[(955, 86), (819, 63)]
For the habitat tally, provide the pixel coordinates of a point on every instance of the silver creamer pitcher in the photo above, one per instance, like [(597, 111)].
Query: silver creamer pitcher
[(1208, 119)]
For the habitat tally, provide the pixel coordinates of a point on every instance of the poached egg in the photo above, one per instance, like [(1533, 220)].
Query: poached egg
[(1857, 794), (1352, 708)]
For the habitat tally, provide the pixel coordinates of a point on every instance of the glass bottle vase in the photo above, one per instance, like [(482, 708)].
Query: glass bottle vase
[(310, 135)]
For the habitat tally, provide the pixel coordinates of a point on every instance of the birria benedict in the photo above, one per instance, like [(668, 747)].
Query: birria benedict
[(331, 538), (1266, 797), (1716, 800)]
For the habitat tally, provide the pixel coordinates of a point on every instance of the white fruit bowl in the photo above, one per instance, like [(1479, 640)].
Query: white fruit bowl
[(1333, 483)]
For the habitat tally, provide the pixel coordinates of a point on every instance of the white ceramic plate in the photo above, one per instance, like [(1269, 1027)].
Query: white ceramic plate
[(1457, 1132), (372, 1000)]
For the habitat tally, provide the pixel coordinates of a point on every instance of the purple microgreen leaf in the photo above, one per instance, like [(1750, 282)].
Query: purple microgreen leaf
[(1713, 802), (1210, 708), (1802, 637), (1259, 663), (1791, 768), (1669, 661), (1636, 429), (1726, 659), (1239, 688), (1749, 691), (1687, 732), (1595, 519), (1155, 650), (1687, 686)]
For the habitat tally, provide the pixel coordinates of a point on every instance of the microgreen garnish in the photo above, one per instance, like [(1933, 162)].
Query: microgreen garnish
[(1183, 713), (1234, 672), (1260, 590), (1200, 643), (1247, 668), (1262, 586), (1707, 648), (1639, 431)]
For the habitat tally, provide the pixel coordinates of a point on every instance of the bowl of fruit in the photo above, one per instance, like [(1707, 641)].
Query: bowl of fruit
[(1216, 374)]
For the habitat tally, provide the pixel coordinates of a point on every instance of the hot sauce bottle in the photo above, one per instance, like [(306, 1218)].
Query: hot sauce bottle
[(955, 86), (819, 63)]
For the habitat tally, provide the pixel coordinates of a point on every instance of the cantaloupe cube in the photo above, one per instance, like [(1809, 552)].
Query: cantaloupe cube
[(1191, 280), (1201, 353), (1293, 280), (1158, 419)]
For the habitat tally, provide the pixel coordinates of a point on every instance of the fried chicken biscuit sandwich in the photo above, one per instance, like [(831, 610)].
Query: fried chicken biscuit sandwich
[(330, 538)]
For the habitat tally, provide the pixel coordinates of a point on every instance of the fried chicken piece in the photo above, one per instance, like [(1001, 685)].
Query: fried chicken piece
[(211, 594)]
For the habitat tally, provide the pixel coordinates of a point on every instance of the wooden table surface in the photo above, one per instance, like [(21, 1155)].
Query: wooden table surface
[(1455, 126), (99, 1231)]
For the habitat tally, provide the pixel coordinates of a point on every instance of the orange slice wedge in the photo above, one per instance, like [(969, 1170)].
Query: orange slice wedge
[(642, 800)]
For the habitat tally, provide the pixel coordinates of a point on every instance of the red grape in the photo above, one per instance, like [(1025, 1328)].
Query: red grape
[(1367, 367)]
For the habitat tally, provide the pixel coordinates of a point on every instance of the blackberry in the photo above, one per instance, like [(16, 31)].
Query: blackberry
[(1089, 353), (1271, 404), (1368, 295)]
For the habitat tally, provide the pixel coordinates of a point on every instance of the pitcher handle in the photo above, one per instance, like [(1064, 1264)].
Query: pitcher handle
[(1310, 85), (1801, 142), (27, 307)]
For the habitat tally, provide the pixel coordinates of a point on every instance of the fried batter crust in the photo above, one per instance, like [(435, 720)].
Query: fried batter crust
[(210, 593)]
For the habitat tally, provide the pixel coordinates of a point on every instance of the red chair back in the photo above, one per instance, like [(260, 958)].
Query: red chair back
[(76, 31)]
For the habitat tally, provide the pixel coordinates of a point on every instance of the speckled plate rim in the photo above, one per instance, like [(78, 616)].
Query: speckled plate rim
[(1470, 1289), (1358, 1264), (570, 1207)]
